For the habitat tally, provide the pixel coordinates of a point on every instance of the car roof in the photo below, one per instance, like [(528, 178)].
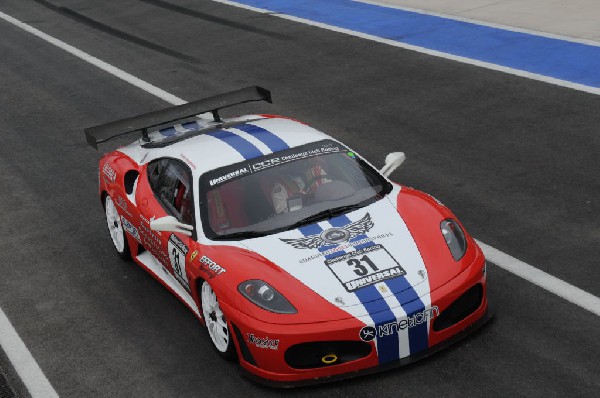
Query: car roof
[(253, 136)]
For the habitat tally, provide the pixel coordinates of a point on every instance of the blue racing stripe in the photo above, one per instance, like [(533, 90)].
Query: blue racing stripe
[(406, 295), (418, 336), (388, 346), (244, 147), (265, 136), (168, 132), (560, 59), (193, 125)]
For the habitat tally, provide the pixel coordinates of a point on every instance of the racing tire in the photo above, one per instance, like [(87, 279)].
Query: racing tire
[(115, 229), (216, 323)]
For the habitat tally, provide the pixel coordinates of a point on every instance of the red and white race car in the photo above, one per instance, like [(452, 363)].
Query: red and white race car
[(300, 257)]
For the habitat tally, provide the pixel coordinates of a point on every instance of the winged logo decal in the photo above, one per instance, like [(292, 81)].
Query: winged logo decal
[(333, 236)]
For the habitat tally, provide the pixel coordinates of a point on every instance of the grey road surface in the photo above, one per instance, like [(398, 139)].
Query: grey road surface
[(517, 161)]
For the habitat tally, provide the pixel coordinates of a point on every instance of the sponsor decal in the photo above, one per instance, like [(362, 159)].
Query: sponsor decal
[(211, 268), (265, 164), (177, 252), (275, 161), (368, 333), (263, 342), (364, 267), (109, 172), (188, 161), (194, 254), (229, 176), (258, 164), (151, 240), (408, 322), (333, 236), (122, 204), (127, 226), (179, 244), (344, 247)]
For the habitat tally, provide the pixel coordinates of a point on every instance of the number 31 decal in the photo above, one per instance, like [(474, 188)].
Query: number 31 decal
[(359, 268), (177, 252)]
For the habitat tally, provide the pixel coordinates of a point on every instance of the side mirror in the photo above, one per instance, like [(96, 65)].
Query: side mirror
[(392, 162), (170, 223)]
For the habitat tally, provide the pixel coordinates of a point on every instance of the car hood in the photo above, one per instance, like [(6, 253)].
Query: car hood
[(352, 260)]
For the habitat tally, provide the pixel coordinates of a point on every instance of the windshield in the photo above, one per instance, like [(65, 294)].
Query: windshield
[(286, 190)]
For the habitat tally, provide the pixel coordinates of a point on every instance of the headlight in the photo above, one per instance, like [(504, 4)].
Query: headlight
[(265, 296), (454, 237)]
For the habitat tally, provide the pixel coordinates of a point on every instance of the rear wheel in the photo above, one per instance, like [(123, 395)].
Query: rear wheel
[(216, 324), (115, 228)]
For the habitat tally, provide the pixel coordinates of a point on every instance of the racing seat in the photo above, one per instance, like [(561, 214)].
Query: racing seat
[(226, 206), (179, 194)]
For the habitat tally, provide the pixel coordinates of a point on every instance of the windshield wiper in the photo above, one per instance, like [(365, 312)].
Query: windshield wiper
[(322, 215), (326, 215), (241, 235)]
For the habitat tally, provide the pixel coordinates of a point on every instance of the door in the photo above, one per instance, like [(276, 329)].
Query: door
[(171, 184)]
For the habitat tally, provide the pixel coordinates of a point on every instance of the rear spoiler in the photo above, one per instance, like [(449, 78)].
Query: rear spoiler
[(141, 123)]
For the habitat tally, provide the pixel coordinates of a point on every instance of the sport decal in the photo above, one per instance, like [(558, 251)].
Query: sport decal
[(122, 204), (263, 342), (211, 268), (177, 252), (364, 267), (333, 236), (368, 333), (342, 247), (229, 176), (133, 231), (188, 161), (238, 170), (359, 272), (109, 172)]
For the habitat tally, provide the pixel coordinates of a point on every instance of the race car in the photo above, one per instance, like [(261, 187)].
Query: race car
[(302, 260)]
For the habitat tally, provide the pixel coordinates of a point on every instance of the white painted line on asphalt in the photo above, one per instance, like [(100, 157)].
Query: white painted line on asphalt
[(542, 279), (113, 70), (482, 64), (484, 23), (23, 362)]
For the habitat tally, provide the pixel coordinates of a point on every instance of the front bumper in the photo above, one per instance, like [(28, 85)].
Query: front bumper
[(488, 315), (262, 346)]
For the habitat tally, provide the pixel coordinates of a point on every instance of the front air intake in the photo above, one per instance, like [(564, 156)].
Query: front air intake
[(325, 353), (461, 308)]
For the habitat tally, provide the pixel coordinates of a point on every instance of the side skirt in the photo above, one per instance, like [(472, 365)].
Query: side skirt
[(147, 261)]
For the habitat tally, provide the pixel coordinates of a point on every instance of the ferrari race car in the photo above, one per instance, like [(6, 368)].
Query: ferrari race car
[(301, 259)]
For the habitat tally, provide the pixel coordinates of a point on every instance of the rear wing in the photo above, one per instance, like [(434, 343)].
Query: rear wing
[(98, 134)]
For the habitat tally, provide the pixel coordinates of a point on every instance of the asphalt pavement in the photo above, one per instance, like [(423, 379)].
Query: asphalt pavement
[(516, 160)]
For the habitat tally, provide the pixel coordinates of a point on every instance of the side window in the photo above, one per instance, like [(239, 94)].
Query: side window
[(155, 169), (171, 182)]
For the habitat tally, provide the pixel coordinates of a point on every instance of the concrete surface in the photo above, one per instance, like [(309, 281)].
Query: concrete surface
[(575, 18)]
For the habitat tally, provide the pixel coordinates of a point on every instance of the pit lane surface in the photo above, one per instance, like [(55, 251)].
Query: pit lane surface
[(515, 159)]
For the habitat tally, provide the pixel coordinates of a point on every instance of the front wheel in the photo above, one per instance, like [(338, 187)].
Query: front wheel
[(115, 228), (216, 324)]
